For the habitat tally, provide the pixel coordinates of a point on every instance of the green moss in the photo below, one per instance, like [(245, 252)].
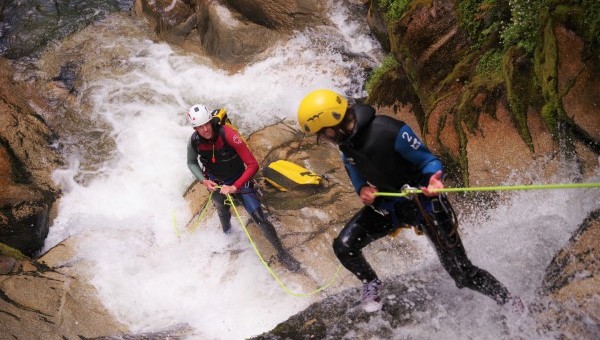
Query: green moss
[(522, 28), (483, 20), (388, 65), (545, 66), (518, 76), (549, 113), (463, 159), (582, 16), (11, 252), (395, 9), (490, 64), (462, 71)]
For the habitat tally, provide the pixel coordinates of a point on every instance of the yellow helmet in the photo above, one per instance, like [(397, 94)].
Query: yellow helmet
[(321, 108)]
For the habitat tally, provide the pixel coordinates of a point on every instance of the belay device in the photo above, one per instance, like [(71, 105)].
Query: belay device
[(285, 176)]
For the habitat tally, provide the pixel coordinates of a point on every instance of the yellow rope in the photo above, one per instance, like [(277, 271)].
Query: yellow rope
[(193, 227), (285, 288)]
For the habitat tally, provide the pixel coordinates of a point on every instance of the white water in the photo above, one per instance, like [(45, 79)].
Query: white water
[(515, 241), (123, 215)]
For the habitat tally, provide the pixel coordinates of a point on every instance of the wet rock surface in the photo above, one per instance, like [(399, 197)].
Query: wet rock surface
[(50, 296)]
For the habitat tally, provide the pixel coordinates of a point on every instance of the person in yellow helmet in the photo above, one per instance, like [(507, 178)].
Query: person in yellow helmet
[(381, 153)]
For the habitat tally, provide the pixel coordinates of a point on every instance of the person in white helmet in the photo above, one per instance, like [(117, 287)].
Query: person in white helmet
[(228, 167)]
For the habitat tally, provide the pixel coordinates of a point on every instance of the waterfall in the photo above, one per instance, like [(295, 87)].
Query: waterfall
[(126, 175), (123, 188)]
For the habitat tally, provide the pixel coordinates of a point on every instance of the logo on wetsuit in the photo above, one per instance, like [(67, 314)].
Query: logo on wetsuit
[(414, 142)]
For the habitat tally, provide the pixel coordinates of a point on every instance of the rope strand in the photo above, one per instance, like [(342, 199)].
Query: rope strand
[(411, 191), (229, 201)]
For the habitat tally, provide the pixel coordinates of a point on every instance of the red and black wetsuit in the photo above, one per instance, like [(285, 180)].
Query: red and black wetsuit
[(226, 158)]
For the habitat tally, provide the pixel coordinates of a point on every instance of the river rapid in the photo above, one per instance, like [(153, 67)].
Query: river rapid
[(124, 139)]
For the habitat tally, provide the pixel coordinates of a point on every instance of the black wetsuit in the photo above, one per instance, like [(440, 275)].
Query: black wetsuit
[(386, 153)]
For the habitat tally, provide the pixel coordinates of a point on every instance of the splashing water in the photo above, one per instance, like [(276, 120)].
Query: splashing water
[(121, 209)]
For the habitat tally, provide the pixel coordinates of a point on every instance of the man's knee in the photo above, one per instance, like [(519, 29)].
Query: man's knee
[(341, 247)]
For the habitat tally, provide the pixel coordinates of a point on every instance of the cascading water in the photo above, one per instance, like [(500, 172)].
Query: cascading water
[(127, 175), (128, 172)]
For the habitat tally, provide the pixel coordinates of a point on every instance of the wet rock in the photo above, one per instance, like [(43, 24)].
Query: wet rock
[(26, 163), (570, 287), (341, 316), (28, 26), (47, 298), (233, 32)]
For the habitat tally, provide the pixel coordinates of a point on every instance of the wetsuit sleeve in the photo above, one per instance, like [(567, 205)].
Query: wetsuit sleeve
[(357, 180), (412, 149), (241, 148), (192, 162)]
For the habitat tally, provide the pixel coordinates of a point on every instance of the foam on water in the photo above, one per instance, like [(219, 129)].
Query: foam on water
[(123, 214)]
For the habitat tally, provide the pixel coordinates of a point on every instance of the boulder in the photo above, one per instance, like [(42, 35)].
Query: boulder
[(571, 285), (29, 26), (233, 32), (51, 297)]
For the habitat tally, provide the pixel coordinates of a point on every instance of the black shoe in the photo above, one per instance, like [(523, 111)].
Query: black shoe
[(289, 261)]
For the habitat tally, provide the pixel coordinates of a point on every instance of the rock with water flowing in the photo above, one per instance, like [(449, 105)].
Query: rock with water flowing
[(571, 304), (52, 296), (233, 31), (567, 307)]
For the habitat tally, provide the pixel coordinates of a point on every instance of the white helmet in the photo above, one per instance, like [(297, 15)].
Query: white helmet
[(198, 115)]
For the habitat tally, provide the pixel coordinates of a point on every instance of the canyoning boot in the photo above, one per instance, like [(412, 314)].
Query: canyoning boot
[(371, 300), (516, 304), (269, 231)]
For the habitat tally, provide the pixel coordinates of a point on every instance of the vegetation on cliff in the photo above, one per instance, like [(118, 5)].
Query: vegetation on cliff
[(504, 51)]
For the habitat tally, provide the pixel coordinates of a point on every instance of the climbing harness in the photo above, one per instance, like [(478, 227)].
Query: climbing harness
[(438, 217)]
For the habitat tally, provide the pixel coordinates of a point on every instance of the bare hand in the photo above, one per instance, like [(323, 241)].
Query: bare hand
[(367, 194), (435, 183), (228, 189), (210, 185)]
